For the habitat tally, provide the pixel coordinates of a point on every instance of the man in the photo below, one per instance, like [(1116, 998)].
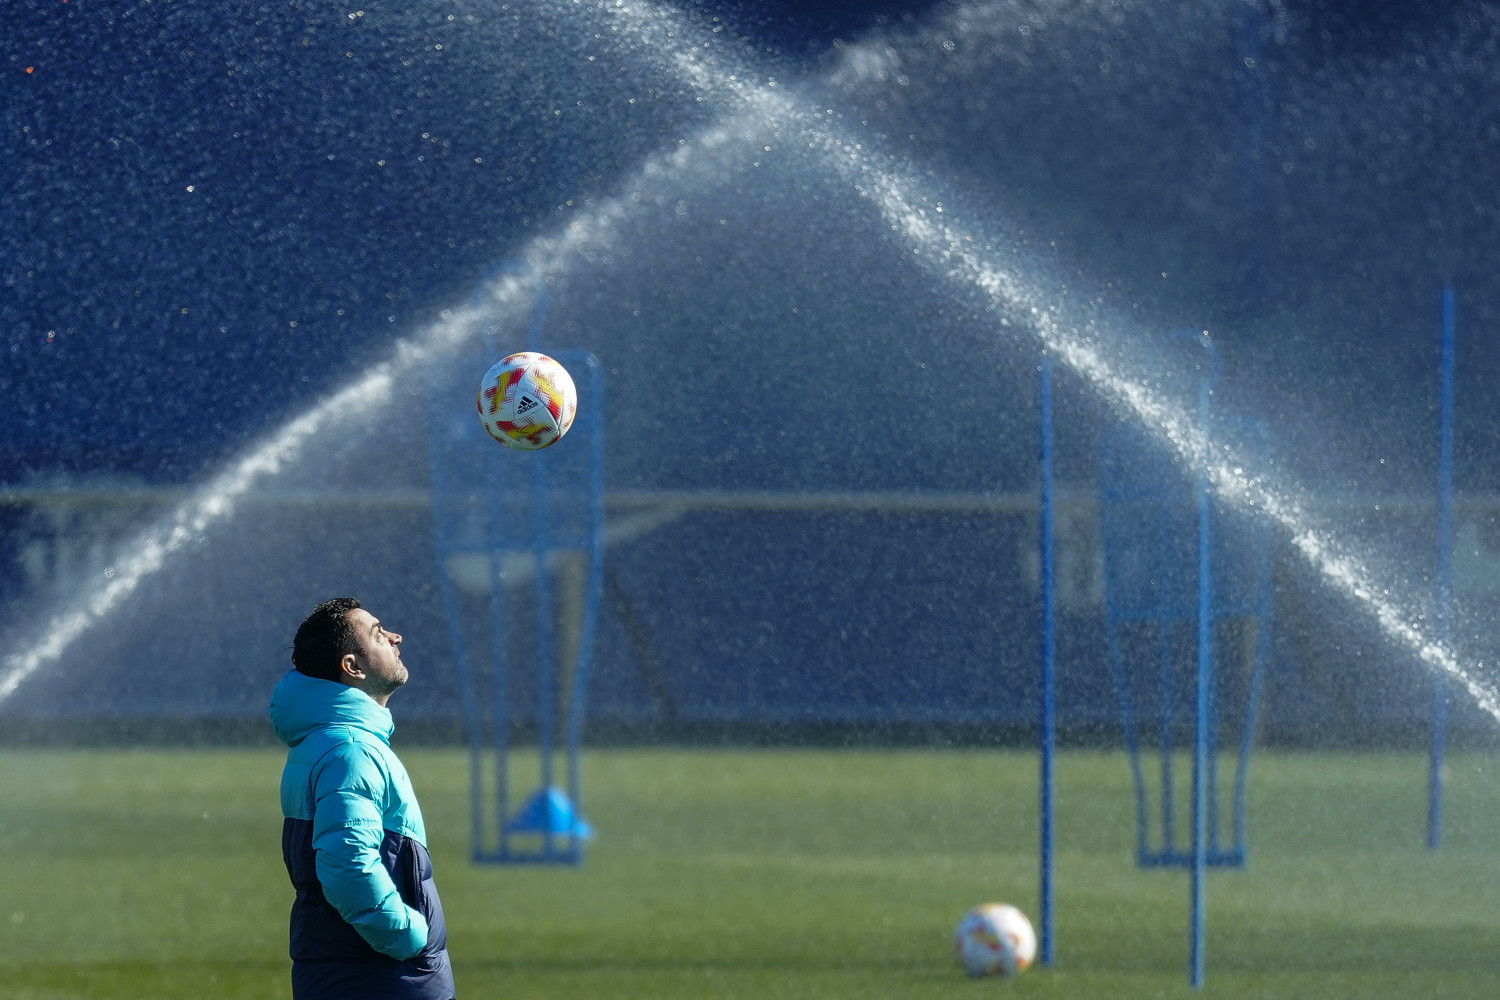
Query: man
[(366, 922)]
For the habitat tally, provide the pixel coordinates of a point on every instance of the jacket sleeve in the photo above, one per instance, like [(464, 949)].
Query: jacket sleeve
[(348, 791)]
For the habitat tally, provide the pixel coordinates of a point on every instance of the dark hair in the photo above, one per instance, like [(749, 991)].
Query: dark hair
[(324, 638)]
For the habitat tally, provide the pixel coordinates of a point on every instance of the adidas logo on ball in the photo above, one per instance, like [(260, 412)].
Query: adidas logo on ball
[(526, 404)]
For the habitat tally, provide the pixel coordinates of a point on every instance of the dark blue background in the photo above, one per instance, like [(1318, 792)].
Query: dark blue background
[(349, 179)]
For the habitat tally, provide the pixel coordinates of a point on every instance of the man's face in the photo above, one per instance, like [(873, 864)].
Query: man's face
[(379, 656)]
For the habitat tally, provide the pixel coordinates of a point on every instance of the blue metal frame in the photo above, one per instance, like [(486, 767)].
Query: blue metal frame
[(560, 832), (1167, 854), (1152, 496), (470, 474)]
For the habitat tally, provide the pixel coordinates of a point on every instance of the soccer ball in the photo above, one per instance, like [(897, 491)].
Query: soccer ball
[(995, 939), (527, 401)]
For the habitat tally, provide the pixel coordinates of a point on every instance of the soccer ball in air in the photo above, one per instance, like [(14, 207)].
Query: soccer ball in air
[(995, 939), (527, 401)]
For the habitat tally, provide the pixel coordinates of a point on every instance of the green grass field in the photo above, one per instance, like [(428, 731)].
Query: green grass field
[(773, 873)]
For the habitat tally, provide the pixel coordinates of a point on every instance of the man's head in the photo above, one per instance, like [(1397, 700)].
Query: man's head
[(341, 641)]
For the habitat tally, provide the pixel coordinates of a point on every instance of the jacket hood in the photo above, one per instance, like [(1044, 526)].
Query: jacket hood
[(302, 704)]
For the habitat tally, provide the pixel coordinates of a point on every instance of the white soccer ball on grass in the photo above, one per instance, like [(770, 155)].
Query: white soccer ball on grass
[(995, 939)]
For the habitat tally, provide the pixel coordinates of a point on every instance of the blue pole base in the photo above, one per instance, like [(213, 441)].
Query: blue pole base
[(550, 811)]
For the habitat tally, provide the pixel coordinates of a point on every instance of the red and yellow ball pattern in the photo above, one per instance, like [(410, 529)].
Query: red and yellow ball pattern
[(527, 401), (995, 939)]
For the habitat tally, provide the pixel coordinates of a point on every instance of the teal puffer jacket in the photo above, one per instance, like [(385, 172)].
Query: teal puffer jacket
[(354, 842)]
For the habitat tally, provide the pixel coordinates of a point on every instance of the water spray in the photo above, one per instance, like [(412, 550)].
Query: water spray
[(945, 250), (938, 243)]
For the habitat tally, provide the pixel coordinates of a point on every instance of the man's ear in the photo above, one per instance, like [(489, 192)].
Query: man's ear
[(349, 667)]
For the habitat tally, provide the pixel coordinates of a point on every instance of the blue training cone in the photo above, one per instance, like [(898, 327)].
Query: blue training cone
[(549, 811)]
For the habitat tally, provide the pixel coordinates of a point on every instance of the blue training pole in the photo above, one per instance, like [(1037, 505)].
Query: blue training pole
[(1205, 672), (1049, 658), (1444, 582)]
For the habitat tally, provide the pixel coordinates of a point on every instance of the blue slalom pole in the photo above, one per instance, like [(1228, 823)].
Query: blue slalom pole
[(1205, 674), (1444, 581), (1049, 661)]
